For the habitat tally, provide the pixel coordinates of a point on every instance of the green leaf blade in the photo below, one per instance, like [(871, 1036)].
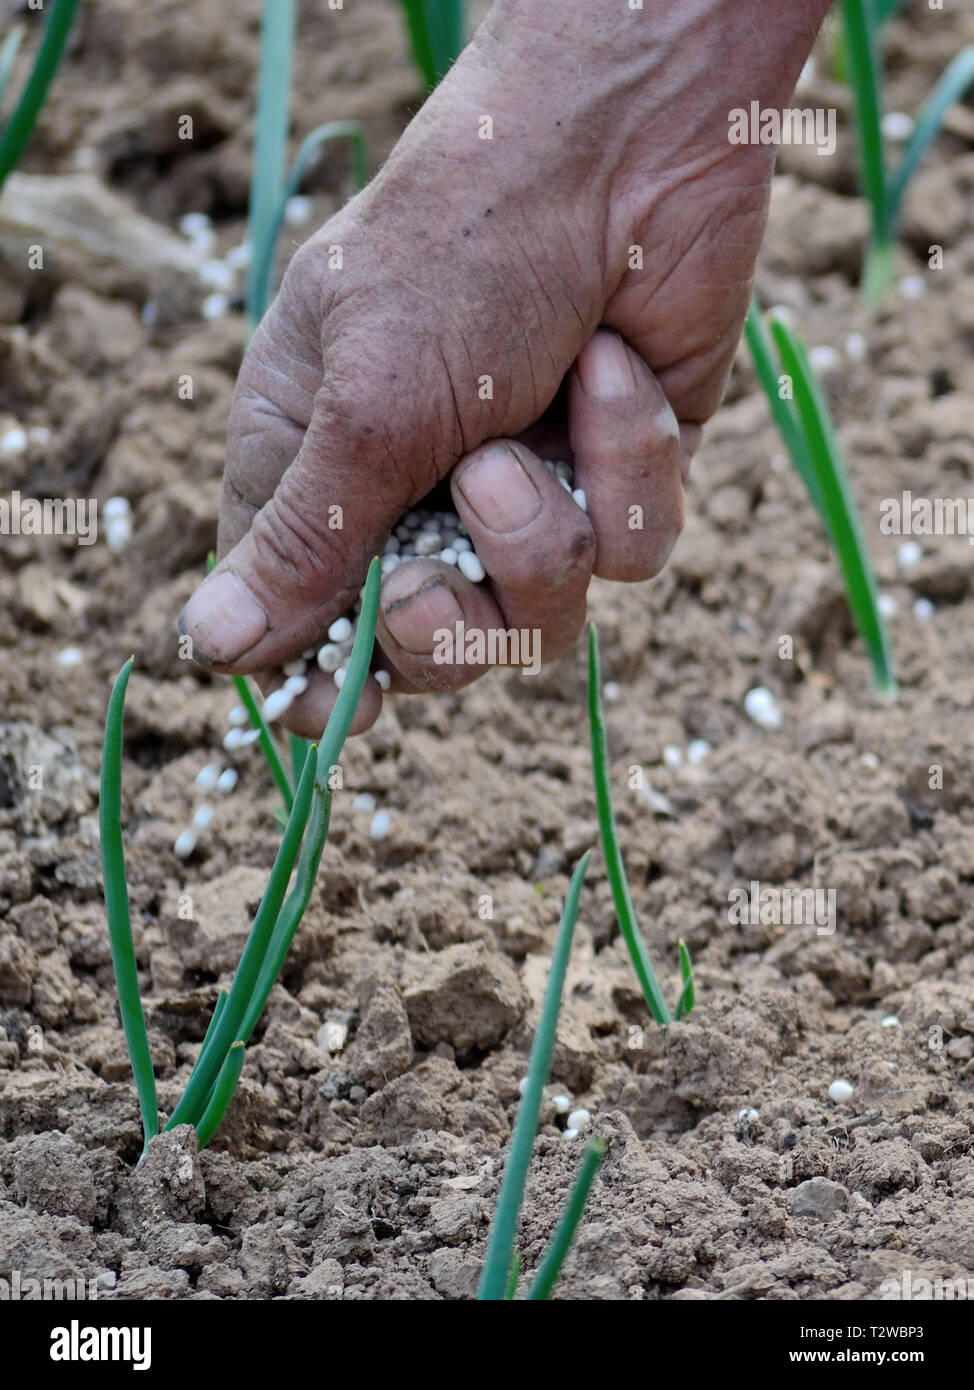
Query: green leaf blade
[(117, 906), (615, 867), (551, 1265), (840, 505), (496, 1274)]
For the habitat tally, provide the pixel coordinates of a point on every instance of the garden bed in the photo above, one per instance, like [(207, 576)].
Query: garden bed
[(362, 1156)]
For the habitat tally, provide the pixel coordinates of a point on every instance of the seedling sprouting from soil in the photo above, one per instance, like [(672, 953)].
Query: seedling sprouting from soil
[(217, 1070), (502, 1264), (809, 435), (616, 869), (885, 188)]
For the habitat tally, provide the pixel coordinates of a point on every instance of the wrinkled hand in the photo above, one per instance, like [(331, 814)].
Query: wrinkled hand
[(574, 285)]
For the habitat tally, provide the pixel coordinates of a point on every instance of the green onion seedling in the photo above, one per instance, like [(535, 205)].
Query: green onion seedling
[(217, 1070), (437, 34), (885, 188), (809, 435), (18, 130), (615, 867), (501, 1263), (270, 192)]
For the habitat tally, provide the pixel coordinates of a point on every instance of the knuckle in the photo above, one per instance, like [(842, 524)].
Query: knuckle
[(294, 547)]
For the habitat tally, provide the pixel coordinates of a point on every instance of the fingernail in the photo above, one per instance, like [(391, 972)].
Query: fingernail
[(605, 368), (223, 620), (500, 491), (414, 620)]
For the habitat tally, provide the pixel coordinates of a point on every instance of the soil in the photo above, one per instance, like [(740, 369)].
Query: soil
[(362, 1156)]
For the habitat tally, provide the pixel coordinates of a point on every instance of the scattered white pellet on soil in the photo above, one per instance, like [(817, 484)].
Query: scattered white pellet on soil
[(383, 680), (672, 755), (215, 306), (923, 609), (118, 532), (887, 605), (522, 1085), (840, 1091), (761, 705), (276, 704), (388, 563), (748, 1114), (856, 347), (295, 686), (890, 1021), (897, 125), (339, 676), (611, 692), (217, 275), (449, 556), (579, 1119), (298, 211), (295, 668), (202, 817), (379, 828), (908, 554), (569, 1133), (227, 780), (69, 656), (237, 717), (461, 544), (562, 1104), (185, 843), (13, 442), (698, 750), (913, 287), (340, 630), (192, 223), (469, 565), (578, 495), (784, 313), (233, 739), (330, 657), (825, 360), (247, 737), (563, 482), (238, 257), (207, 777), (363, 803)]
